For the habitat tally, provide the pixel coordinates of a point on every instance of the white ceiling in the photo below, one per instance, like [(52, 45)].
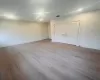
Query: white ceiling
[(31, 9)]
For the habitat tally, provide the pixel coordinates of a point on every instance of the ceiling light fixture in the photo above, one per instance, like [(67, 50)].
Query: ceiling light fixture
[(80, 9), (41, 13)]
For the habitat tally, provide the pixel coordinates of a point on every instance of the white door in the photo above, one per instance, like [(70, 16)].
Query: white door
[(67, 32)]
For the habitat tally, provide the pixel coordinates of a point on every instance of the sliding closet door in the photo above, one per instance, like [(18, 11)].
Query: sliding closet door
[(67, 32)]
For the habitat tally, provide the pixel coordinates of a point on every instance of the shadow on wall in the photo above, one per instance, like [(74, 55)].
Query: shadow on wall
[(44, 32), (9, 66)]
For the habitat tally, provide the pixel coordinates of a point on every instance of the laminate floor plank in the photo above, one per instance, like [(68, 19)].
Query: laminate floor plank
[(44, 60)]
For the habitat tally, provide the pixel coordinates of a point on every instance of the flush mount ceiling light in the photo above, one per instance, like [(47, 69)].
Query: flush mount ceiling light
[(80, 9), (10, 16), (42, 14)]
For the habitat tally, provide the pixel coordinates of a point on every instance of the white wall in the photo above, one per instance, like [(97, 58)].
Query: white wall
[(19, 32), (89, 36)]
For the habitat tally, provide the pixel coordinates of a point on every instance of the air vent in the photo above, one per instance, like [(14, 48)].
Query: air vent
[(58, 16)]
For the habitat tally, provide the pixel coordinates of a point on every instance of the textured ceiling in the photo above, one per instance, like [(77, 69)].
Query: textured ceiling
[(30, 9)]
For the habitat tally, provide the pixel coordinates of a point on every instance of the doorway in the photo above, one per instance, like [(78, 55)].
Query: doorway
[(67, 32)]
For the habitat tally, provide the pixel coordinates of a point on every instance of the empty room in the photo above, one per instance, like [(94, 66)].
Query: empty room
[(49, 39)]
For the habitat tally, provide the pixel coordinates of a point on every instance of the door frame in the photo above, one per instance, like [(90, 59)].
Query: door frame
[(78, 33)]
